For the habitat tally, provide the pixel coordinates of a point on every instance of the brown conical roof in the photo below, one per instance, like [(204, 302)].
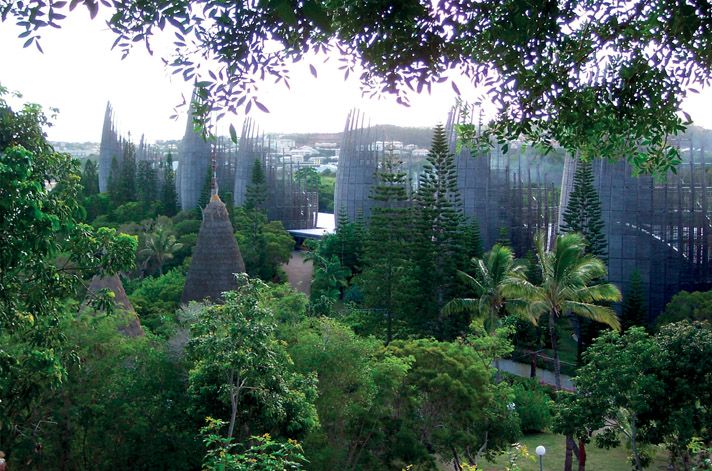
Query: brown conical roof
[(216, 257), (113, 283)]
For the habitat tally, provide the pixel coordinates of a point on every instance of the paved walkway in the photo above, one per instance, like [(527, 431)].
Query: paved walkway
[(544, 376), (299, 272)]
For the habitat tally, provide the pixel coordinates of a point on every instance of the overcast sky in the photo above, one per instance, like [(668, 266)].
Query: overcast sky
[(78, 73)]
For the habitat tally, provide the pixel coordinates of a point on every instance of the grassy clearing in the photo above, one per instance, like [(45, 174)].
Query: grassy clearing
[(597, 459)]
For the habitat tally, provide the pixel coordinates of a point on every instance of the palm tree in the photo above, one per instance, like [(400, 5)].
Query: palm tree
[(330, 277), (494, 273), (160, 245), (567, 276), (567, 286)]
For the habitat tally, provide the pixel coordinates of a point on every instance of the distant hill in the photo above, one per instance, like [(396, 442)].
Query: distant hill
[(382, 132)]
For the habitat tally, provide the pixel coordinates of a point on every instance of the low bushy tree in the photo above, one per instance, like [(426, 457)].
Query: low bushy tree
[(242, 372)]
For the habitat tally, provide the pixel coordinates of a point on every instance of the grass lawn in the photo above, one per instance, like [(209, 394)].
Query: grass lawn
[(597, 459)]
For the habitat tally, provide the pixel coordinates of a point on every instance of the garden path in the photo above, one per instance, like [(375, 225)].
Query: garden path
[(544, 376)]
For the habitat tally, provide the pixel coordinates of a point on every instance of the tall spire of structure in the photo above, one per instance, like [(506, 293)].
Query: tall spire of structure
[(193, 161), (109, 148)]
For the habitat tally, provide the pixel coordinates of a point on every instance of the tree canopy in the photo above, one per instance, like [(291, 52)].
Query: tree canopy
[(598, 77)]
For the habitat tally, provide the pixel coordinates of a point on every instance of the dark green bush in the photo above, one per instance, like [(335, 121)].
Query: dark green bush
[(532, 404)]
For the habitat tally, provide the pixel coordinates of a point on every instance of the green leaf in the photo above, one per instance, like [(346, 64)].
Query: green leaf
[(233, 134)]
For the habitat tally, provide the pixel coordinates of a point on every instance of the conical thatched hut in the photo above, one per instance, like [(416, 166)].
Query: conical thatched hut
[(216, 257), (133, 327)]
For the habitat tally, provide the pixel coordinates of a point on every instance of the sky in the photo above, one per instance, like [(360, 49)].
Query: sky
[(78, 73)]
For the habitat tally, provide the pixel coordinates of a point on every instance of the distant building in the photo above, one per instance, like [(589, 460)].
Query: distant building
[(387, 145), (281, 145)]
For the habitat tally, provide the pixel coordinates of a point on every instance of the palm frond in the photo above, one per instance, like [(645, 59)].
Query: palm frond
[(606, 292), (602, 314), (462, 305), (470, 281)]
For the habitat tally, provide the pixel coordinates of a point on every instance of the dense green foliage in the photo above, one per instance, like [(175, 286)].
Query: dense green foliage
[(256, 192), (695, 306), (242, 372), (156, 299), (45, 252), (263, 453), (169, 196), (388, 277), (533, 405), (359, 384), (634, 312), (648, 390), (264, 245), (583, 212), (122, 399), (231, 386), (438, 223), (90, 179)]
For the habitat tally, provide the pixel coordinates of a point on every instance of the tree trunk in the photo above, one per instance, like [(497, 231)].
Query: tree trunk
[(532, 369), (235, 391), (568, 458), (555, 348), (389, 333), (582, 456), (455, 459), (633, 442)]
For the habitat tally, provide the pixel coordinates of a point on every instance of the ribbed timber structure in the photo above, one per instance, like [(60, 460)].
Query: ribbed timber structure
[(356, 171), (109, 148), (293, 201), (194, 161), (661, 228), (515, 190)]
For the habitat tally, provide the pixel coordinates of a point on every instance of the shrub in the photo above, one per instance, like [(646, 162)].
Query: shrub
[(532, 404)]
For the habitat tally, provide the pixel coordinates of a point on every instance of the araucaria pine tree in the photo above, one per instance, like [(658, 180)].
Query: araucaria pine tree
[(387, 278), (583, 215), (472, 240), (256, 192), (169, 195), (90, 179), (635, 312), (127, 184), (204, 197), (583, 212), (146, 182), (439, 220), (114, 184), (346, 243)]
